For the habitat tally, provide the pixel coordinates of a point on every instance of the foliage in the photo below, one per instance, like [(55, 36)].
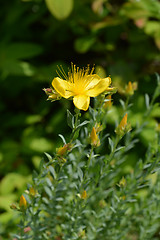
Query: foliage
[(121, 37), (89, 188)]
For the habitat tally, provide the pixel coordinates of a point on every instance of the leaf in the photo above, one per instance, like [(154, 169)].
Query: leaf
[(31, 119), (52, 171), (16, 67), (82, 45), (63, 139), (122, 103), (118, 149), (48, 156), (80, 173), (70, 119), (60, 9), (48, 191), (140, 9), (10, 182), (35, 174), (38, 144), (152, 28), (82, 124), (6, 200), (111, 144), (147, 100), (23, 50)]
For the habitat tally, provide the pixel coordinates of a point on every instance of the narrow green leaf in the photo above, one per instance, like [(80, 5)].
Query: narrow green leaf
[(111, 144), (70, 119), (63, 139), (48, 156), (48, 191), (52, 171), (82, 124), (80, 173), (147, 100)]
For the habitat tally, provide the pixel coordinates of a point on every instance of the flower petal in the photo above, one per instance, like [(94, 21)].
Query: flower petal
[(63, 87), (81, 102), (92, 81), (102, 86)]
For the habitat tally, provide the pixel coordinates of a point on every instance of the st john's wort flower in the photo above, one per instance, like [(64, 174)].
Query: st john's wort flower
[(81, 84)]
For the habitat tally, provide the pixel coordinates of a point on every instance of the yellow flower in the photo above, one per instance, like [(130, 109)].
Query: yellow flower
[(22, 202), (81, 84), (94, 138)]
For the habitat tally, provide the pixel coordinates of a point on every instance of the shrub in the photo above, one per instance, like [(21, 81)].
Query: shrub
[(92, 187)]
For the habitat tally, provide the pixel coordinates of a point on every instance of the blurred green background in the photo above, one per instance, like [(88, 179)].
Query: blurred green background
[(122, 38)]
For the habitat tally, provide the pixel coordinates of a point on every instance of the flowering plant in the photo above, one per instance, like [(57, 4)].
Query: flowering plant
[(84, 190)]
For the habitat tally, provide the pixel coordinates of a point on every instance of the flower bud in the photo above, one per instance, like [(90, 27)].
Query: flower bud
[(83, 195), (27, 229), (108, 102), (123, 127), (123, 197), (122, 182), (130, 88), (158, 127), (123, 122), (102, 203), (63, 150), (94, 138), (13, 206), (22, 202), (52, 94), (82, 234), (32, 192)]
